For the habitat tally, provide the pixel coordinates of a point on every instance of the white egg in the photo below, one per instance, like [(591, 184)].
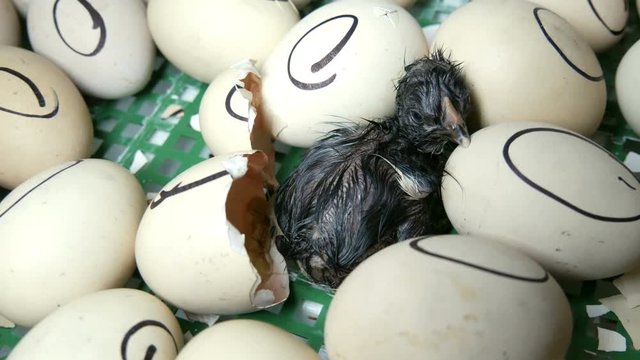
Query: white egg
[(110, 324), (555, 195), (448, 297), (339, 64), (600, 22), (627, 84), (246, 339), (215, 34), (44, 121), (9, 24), (211, 222), (66, 232), (524, 63), (104, 45), (22, 6)]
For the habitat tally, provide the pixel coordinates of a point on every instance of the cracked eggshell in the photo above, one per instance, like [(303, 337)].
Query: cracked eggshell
[(600, 22), (339, 64), (9, 24), (66, 232), (627, 83), (193, 246), (44, 121), (109, 324), (215, 34), (524, 63), (452, 297), (230, 340), (104, 45), (555, 195)]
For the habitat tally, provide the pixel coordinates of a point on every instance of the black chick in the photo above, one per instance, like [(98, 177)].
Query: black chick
[(364, 187)]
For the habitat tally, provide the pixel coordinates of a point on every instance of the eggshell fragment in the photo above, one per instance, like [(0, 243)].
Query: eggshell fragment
[(451, 297), (9, 24), (110, 324), (104, 45), (523, 62), (44, 121), (213, 223), (555, 195), (246, 339), (627, 85), (66, 232)]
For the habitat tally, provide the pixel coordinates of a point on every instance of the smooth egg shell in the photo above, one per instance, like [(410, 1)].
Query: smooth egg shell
[(9, 24), (524, 63), (109, 324), (451, 297), (66, 232), (627, 84), (192, 255), (44, 121), (229, 340), (557, 196), (104, 45), (338, 64), (215, 34)]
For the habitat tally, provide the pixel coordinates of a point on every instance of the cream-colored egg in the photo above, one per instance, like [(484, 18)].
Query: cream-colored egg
[(600, 22), (66, 232), (229, 340), (628, 85), (215, 34), (557, 196), (44, 120), (224, 114), (448, 297), (339, 64), (110, 324), (104, 45), (204, 243), (22, 6), (524, 63), (9, 24)]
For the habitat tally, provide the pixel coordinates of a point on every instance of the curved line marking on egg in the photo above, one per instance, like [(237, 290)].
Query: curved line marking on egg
[(534, 185), (595, 12), (37, 186), (36, 92), (227, 104), (179, 188), (327, 58), (98, 23), (151, 349), (415, 245), (559, 51)]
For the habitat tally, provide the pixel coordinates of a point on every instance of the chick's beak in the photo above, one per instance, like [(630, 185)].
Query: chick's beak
[(454, 123)]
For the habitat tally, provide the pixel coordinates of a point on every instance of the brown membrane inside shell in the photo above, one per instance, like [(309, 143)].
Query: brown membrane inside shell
[(260, 137)]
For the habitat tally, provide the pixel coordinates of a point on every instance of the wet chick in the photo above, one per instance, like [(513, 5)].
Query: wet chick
[(364, 187)]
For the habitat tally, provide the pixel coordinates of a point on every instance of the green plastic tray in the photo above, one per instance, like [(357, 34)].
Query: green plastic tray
[(133, 124)]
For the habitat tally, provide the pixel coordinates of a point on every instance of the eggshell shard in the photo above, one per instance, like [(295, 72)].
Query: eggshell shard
[(233, 32), (104, 45), (600, 22), (230, 340), (44, 120), (9, 24), (627, 85), (524, 63), (109, 324), (213, 222), (77, 222), (449, 297), (338, 64), (555, 195)]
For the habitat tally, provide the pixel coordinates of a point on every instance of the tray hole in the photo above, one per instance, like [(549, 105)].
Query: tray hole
[(158, 63), (4, 351), (125, 103), (189, 93), (107, 125), (169, 167), (131, 130), (95, 145), (114, 152), (184, 144), (159, 137), (148, 108), (162, 87), (308, 312)]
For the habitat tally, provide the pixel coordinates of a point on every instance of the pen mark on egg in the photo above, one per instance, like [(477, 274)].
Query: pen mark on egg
[(518, 172), (179, 188), (319, 65), (98, 23), (576, 68), (42, 102), (151, 349), (626, 183), (37, 186), (415, 244), (227, 105), (604, 23)]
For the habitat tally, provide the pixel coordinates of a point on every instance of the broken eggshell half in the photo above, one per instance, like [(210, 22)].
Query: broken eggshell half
[(205, 241)]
